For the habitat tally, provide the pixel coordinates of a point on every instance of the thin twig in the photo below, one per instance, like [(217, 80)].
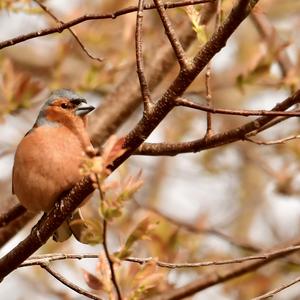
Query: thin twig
[(68, 283), (89, 17), (45, 259), (272, 293), (105, 247), (208, 96), (110, 262), (236, 112), (224, 138), (46, 9), (274, 142), (139, 58), (171, 34), (212, 263), (214, 278), (15, 212)]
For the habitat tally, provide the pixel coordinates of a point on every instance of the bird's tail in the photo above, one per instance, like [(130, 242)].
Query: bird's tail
[(74, 225), (62, 233)]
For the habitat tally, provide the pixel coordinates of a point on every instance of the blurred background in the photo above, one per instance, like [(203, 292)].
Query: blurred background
[(221, 203)]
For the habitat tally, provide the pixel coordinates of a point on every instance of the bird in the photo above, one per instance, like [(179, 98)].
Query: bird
[(48, 158)]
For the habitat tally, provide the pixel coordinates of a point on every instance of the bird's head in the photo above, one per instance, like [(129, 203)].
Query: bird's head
[(63, 107)]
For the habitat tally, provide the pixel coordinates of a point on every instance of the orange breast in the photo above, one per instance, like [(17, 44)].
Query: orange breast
[(47, 164)]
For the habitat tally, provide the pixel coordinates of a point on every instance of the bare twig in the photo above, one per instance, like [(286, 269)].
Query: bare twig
[(232, 272), (274, 142), (208, 97), (45, 259), (171, 34), (236, 112), (68, 283), (88, 17), (233, 135), (110, 262), (272, 293), (139, 58), (12, 214), (168, 265), (46, 10)]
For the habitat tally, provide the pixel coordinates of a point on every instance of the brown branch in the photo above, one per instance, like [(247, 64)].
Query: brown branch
[(208, 97), (45, 259), (41, 233), (15, 212), (219, 277), (272, 293), (45, 228), (168, 265), (89, 17), (110, 262), (46, 10), (233, 135), (171, 34), (237, 112), (167, 102), (274, 142), (68, 283), (139, 58)]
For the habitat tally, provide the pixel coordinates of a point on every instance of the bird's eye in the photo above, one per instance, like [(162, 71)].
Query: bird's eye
[(64, 105)]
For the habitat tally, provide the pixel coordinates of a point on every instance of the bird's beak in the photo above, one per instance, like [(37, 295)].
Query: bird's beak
[(83, 108)]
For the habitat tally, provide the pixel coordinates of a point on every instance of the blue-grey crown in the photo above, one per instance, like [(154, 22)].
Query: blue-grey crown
[(56, 94), (62, 93)]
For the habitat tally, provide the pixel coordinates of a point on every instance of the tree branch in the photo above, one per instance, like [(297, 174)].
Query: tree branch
[(89, 17), (68, 283), (217, 278), (171, 34), (47, 11), (233, 135), (272, 293), (139, 59), (110, 262)]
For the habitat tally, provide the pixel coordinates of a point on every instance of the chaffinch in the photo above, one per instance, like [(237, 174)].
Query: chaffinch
[(47, 160)]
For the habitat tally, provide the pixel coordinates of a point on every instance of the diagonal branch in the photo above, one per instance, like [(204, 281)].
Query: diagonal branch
[(110, 262), (219, 277), (236, 112), (171, 34), (139, 58), (46, 9), (68, 283), (220, 139), (89, 17), (272, 293)]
